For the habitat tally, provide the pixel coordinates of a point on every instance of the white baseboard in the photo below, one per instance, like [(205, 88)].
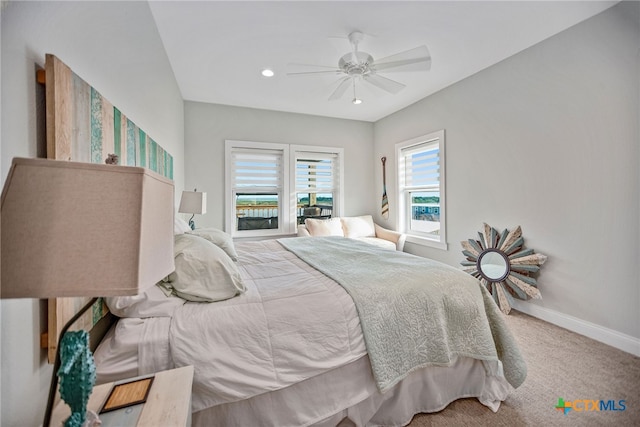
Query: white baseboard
[(599, 333)]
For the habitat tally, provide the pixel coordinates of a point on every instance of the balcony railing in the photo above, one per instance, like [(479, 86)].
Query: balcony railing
[(256, 211), (255, 217)]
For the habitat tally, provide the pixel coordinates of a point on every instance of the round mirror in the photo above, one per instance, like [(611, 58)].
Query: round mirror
[(493, 265), (503, 265)]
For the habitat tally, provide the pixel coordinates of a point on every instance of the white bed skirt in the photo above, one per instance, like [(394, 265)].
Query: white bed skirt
[(350, 393)]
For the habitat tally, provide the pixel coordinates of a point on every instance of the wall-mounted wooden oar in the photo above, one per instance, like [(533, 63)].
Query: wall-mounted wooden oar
[(385, 200)]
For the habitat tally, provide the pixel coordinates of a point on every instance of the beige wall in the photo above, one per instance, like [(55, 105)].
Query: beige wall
[(207, 126), (116, 48), (548, 139)]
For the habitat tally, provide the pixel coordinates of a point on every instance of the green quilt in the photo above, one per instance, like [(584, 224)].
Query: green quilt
[(414, 312)]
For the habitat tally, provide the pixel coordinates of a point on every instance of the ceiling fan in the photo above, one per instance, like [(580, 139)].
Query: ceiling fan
[(360, 66)]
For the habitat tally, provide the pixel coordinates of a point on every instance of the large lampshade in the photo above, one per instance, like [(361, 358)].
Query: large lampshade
[(84, 229)]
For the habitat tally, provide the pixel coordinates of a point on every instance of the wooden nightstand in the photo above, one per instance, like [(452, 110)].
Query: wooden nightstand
[(168, 403)]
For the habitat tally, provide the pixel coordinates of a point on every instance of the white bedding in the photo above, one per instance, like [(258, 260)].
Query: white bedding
[(117, 355), (291, 324), (129, 342), (289, 351)]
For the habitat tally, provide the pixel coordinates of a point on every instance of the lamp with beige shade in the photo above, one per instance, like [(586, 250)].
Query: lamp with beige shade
[(83, 229)]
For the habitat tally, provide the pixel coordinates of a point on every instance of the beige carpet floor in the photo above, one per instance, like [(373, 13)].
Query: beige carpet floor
[(560, 363)]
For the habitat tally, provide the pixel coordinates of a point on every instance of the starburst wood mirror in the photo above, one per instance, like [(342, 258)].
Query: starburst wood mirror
[(503, 265)]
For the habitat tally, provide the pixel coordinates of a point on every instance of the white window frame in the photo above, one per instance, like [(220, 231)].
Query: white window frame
[(287, 202), (403, 192), (298, 151), (230, 191)]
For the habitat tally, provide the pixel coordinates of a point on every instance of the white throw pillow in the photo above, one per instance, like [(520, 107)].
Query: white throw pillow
[(358, 226), (324, 227), (204, 272)]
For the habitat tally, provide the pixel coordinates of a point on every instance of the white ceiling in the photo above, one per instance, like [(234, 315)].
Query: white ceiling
[(218, 48)]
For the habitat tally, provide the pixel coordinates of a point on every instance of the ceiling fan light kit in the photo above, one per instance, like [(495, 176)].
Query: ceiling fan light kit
[(267, 72), (356, 100), (361, 66)]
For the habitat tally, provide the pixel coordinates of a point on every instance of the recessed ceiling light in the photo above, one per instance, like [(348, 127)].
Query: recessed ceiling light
[(267, 72)]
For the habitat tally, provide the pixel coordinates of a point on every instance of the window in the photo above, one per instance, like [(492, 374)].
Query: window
[(259, 176), (316, 182), (256, 188), (421, 190)]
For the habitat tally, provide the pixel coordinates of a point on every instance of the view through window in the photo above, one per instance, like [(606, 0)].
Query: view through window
[(275, 187), (315, 177), (421, 188), (256, 211), (256, 177)]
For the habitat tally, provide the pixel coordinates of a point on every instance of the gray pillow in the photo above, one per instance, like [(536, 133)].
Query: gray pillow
[(204, 272), (218, 238)]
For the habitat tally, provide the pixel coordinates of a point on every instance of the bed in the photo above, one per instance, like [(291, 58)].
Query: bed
[(286, 344)]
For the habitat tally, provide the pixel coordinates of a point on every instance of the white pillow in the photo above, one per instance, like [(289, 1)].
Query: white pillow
[(218, 238), (324, 227), (204, 272), (150, 303), (358, 226), (180, 226)]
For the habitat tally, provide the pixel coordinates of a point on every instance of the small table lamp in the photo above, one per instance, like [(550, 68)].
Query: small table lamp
[(82, 229), (193, 202)]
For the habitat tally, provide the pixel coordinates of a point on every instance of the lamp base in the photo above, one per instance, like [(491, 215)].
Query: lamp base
[(57, 364), (77, 375)]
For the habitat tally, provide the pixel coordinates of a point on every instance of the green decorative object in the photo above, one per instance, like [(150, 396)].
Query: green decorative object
[(77, 375)]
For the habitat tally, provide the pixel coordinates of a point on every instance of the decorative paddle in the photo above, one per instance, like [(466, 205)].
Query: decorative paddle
[(385, 200)]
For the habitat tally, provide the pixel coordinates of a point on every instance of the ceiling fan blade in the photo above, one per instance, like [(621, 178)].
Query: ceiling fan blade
[(417, 59), (384, 83), (294, 69), (341, 89), (335, 71)]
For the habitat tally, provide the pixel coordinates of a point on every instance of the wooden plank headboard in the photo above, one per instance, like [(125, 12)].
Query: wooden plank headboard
[(84, 126)]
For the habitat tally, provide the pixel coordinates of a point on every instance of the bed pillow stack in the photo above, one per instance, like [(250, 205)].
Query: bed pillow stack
[(204, 271), (218, 238)]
